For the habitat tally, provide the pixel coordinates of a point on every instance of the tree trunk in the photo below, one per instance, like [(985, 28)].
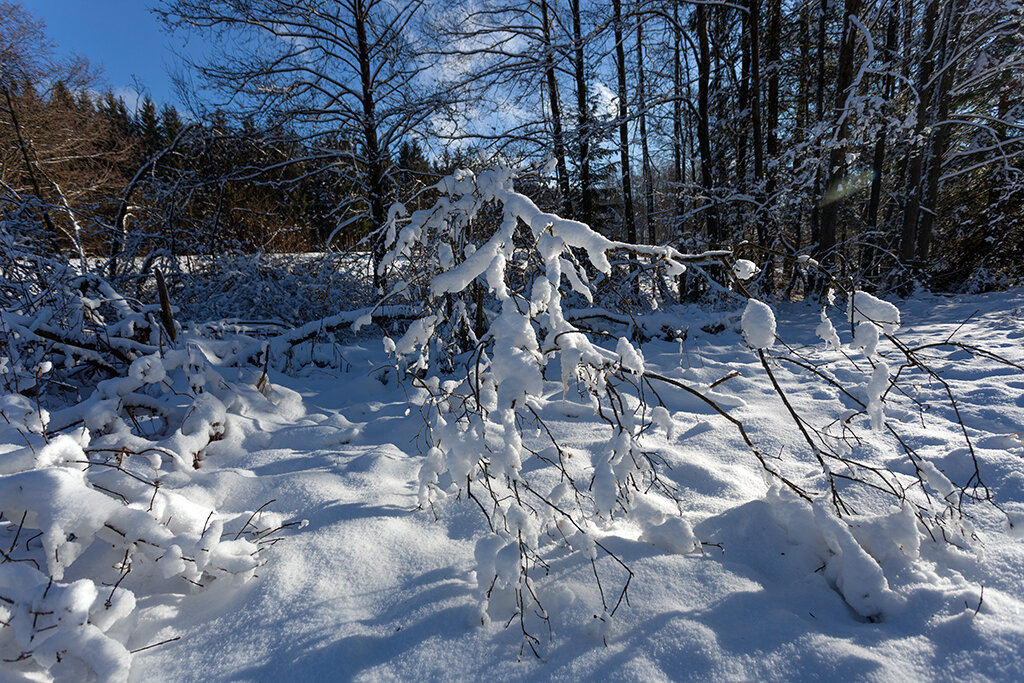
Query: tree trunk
[(755, 89), (912, 205), (644, 147), (774, 64), (755, 112), (803, 114), (803, 111), (629, 220), (583, 120), (743, 102), (557, 139), (703, 124), (870, 253), (837, 155), (819, 101), (940, 135), (678, 148), (374, 159)]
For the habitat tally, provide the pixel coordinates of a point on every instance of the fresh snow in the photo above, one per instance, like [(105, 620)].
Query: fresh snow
[(758, 324), (384, 573), (744, 269)]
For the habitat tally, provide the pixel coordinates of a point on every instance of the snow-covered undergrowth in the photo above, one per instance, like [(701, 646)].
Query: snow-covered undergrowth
[(98, 511), (106, 415), (284, 289), (511, 471)]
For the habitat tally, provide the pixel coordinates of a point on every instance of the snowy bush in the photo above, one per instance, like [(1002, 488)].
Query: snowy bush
[(284, 289), (89, 503), (492, 374), (106, 410)]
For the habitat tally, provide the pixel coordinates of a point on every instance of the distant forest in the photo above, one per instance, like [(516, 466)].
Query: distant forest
[(883, 139)]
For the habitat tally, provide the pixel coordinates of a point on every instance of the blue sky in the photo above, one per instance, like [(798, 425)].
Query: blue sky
[(120, 36)]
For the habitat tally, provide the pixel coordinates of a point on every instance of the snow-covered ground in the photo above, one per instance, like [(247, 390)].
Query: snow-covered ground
[(372, 587)]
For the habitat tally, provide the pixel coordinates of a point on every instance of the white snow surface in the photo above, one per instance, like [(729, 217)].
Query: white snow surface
[(375, 587)]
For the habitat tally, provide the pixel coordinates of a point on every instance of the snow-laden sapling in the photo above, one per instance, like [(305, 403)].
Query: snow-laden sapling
[(488, 438), (872, 374), (489, 441)]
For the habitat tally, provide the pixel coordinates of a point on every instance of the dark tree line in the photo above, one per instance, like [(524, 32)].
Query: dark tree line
[(882, 138), (101, 174)]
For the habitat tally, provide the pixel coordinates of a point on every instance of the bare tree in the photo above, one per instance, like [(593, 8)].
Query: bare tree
[(584, 118), (629, 217), (704, 122), (837, 168), (507, 61), (345, 71)]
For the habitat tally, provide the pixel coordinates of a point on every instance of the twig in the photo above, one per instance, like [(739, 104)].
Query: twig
[(162, 642)]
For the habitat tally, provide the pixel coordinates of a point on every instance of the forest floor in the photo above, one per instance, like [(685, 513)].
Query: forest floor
[(374, 588)]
